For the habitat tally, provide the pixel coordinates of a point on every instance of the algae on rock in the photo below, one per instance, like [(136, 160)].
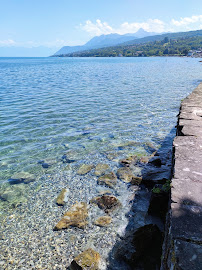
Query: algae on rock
[(76, 217)]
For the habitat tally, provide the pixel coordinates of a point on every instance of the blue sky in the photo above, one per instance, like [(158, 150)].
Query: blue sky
[(55, 23)]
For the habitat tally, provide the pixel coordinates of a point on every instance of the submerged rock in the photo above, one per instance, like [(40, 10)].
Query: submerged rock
[(76, 217), (63, 196), (14, 195), (85, 168), (87, 260), (103, 221), (108, 203), (136, 180), (129, 161), (21, 177), (67, 159), (101, 169), (125, 174), (108, 179)]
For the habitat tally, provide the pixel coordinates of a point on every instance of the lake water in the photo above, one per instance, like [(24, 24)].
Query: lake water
[(59, 113)]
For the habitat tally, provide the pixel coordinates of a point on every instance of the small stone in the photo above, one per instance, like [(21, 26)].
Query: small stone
[(63, 196), (144, 159), (21, 177), (101, 169), (103, 221), (108, 203), (76, 217), (84, 169), (125, 174), (87, 260), (136, 180), (129, 161), (108, 179)]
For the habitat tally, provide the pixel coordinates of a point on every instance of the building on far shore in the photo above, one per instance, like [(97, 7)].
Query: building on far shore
[(195, 53)]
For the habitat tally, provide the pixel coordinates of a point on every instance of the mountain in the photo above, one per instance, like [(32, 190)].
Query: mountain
[(142, 33), (104, 41)]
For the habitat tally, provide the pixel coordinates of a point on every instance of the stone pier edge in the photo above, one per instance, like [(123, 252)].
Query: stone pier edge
[(182, 248)]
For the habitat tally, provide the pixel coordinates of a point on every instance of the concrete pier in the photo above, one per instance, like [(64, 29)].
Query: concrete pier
[(183, 243)]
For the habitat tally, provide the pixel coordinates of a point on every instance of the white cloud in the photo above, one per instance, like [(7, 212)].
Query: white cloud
[(150, 25), (187, 20), (98, 28), (7, 43)]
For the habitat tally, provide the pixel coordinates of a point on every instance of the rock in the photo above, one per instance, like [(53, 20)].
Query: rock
[(14, 195), (21, 177), (87, 260), (158, 205), (108, 179), (76, 217), (144, 159), (101, 169), (84, 169), (103, 221), (136, 180), (125, 174), (156, 161), (66, 159), (46, 163), (63, 196), (142, 250), (111, 156), (129, 161), (108, 203)]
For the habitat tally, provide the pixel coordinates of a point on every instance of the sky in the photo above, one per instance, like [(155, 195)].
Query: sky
[(55, 23)]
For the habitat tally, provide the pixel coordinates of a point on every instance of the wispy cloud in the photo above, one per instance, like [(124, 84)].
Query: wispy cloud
[(7, 43), (187, 20), (150, 25)]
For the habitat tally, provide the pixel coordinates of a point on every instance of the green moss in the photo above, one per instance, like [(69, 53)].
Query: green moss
[(156, 190), (167, 186)]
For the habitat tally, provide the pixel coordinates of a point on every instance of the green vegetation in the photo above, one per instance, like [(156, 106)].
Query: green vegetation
[(164, 47)]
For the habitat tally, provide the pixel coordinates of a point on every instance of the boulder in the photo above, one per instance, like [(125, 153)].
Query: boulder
[(76, 217), (125, 174), (87, 260), (142, 250), (108, 203), (63, 196), (84, 169), (103, 221), (101, 169), (108, 179)]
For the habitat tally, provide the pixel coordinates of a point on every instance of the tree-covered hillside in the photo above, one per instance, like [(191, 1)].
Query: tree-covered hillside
[(167, 46)]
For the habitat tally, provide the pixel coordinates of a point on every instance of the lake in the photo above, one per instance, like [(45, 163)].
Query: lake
[(57, 114)]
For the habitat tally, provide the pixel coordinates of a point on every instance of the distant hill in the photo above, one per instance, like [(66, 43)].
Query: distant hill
[(162, 36), (104, 41), (157, 45)]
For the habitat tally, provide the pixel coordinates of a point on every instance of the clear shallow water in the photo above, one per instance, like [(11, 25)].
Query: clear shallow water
[(89, 104), (93, 110)]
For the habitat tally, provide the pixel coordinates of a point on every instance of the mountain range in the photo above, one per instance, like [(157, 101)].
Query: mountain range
[(105, 41)]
